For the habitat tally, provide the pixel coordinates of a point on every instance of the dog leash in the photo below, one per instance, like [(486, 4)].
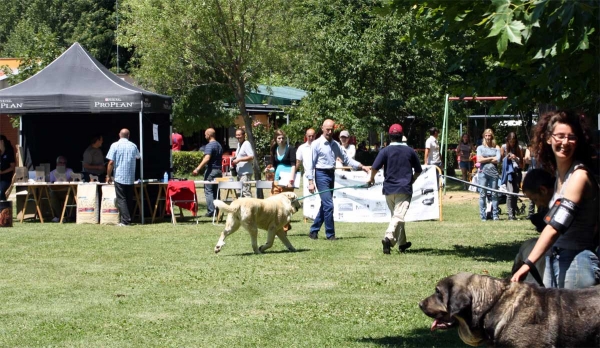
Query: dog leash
[(534, 272), (334, 189)]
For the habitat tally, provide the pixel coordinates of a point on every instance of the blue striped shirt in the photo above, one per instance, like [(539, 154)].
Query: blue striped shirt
[(214, 149), (124, 154), (324, 153)]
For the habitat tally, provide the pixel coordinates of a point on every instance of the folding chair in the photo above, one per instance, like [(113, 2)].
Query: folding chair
[(232, 187), (264, 185), (183, 195)]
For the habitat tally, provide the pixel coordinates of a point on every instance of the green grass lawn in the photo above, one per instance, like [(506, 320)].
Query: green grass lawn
[(162, 285)]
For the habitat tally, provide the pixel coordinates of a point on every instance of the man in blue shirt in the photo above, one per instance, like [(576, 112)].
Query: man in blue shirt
[(321, 170), (399, 162), (213, 158), (122, 158)]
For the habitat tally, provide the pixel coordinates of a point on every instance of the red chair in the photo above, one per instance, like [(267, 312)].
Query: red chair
[(225, 164), (183, 195)]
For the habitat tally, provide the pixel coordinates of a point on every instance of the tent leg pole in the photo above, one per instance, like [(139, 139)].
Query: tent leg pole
[(142, 163)]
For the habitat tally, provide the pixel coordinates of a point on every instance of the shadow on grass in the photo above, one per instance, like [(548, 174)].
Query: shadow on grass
[(418, 338), (283, 251), (488, 253)]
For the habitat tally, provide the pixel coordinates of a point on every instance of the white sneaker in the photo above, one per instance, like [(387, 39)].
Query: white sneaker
[(121, 225), (56, 219)]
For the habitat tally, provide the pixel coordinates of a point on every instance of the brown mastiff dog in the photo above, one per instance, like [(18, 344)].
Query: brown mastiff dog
[(504, 314)]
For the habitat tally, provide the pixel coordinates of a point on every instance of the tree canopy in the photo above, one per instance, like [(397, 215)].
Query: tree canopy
[(203, 52), (361, 71), (37, 31), (534, 51)]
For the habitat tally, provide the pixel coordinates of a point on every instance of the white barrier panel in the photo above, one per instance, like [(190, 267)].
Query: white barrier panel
[(368, 204)]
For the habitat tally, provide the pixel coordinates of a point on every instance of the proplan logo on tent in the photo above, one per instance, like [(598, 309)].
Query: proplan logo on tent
[(8, 104), (113, 103)]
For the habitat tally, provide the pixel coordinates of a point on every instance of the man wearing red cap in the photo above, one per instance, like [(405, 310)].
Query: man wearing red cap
[(399, 162)]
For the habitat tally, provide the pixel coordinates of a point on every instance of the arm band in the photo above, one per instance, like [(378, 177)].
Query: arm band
[(561, 215)]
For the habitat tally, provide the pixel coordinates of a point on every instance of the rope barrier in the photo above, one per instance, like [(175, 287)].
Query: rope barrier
[(334, 189), (485, 187)]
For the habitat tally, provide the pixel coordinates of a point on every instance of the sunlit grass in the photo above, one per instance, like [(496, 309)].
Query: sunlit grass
[(161, 285)]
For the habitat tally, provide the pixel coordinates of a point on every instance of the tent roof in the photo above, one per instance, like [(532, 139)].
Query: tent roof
[(76, 82)]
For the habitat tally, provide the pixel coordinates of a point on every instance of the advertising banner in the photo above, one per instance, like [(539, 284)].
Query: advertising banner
[(354, 204)]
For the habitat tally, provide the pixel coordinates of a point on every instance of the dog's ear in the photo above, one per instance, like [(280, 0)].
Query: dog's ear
[(485, 292), (458, 298)]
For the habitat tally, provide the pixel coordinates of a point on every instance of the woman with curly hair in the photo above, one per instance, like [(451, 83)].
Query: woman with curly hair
[(562, 144), (511, 151)]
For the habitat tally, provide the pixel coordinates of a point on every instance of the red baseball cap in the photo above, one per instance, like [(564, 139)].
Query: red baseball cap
[(395, 129)]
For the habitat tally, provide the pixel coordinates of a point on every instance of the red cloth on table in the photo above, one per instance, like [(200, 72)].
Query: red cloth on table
[(182, 190)]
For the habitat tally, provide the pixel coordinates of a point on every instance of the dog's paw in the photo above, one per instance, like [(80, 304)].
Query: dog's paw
[(293, 250), (260, 250), (218, 248)]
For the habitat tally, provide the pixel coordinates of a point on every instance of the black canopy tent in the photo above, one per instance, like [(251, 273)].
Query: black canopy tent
[(75, 97)]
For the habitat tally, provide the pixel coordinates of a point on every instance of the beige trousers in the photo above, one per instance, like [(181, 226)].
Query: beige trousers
[(398, 204)]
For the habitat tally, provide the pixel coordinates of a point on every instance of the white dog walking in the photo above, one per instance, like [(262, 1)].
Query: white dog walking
[(270, 214)]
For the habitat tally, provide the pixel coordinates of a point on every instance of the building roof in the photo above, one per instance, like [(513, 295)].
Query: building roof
[(275, 95)]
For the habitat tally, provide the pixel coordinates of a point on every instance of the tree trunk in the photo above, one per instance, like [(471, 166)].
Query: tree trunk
[(240, 94)]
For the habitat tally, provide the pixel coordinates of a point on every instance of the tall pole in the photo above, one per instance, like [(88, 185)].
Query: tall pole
[(117, 34), (445, 138), (142, 160)]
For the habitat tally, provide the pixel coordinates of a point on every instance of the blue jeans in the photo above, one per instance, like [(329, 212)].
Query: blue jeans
[(210, 191), (324, 180), (491, 182), (4, 185), (571, 269)]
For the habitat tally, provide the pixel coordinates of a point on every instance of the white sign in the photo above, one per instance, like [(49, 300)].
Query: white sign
[(155, 132), (355, 204)]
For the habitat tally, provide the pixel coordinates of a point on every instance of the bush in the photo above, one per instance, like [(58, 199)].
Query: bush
[(184, 162)]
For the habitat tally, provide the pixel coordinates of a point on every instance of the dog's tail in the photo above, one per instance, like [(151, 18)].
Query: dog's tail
[(224, 207)]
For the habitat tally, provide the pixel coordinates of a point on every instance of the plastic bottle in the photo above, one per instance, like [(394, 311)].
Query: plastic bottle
[(166, 178)]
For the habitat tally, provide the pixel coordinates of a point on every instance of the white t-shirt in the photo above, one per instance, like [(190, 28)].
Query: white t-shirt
[(434, 150), (244, 151), (304, 155), (350, 150)]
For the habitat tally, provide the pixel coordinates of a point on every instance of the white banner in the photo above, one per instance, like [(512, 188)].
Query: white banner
[(368, 204)]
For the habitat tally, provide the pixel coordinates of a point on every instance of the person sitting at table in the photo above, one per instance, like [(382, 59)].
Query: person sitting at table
[(93, 160), (59, 194)]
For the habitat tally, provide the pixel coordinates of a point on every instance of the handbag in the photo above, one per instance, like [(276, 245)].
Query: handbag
[(233, 170)]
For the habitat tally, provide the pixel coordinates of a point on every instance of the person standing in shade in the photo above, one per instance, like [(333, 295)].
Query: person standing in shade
[(7, 165), (176, 141), (511, 154), (243, 161), (463, 150), (432, 149), (399, 162), (530, 161), (488, 156), (322, 171), (122, 157), (93, 159), (213, 156), (58, 195)]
